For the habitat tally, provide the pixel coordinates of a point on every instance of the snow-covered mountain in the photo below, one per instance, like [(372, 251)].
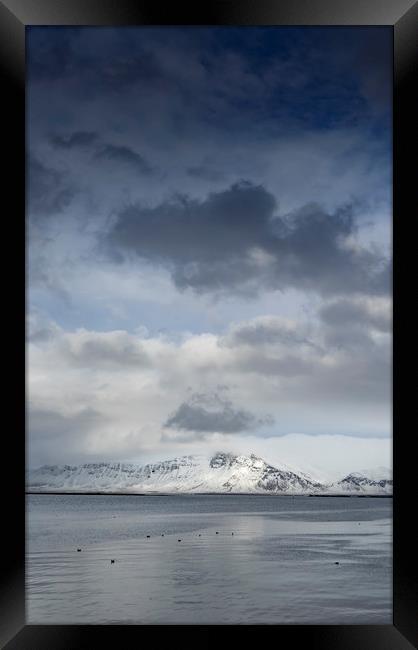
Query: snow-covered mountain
[(357, 482), (223, 472)]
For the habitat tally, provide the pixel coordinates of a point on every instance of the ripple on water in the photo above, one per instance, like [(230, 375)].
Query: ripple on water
[(277, 567)]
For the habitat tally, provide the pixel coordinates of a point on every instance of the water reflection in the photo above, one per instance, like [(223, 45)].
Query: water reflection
[(274, 569)]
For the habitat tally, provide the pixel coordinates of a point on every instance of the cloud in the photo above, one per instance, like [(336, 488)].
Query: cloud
[(49, 423), (53, 432), (91, 62), (206, 172), (267, 331), (204, 414), (324, 360), (153, 132), (225, 76), (74, 140), (234, 240), (360, 322), (115, 349), (358, 313), (59, 435), (276, 384), (124, 155), (105, 151), (48, 191), (287, 361), (271, 345), (39, 328)]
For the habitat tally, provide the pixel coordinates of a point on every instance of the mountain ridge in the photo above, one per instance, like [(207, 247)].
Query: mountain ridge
[(221, 473)]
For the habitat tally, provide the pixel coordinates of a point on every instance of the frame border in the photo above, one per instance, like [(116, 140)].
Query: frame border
[(402, 16)]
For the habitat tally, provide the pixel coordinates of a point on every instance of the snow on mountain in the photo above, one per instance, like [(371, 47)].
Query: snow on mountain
[(358, 482), (223, 472), (252, 474)]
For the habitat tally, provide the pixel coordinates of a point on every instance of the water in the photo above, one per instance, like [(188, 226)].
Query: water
[(278, 567)]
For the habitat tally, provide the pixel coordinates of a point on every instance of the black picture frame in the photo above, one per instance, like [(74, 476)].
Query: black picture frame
[(15, 15)]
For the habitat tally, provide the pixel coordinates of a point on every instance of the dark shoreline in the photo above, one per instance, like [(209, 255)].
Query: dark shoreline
[(220, 494)]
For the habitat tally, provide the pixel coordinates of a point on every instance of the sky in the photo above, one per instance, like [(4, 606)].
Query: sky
[(209, 244)]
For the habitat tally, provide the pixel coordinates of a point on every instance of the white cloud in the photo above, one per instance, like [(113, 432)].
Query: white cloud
[(278, 369)]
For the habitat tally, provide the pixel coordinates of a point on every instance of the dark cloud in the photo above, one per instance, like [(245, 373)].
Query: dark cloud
[(235, 241), (345, 312), (125, 155), (266, 332), (204, 414), (185, 230), (74, 140), (48, 191), (119, 154), (205, 173), (312, 77), (84, 64), (348, 324)]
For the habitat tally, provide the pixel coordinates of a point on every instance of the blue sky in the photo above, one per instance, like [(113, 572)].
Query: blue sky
[(209, 235)]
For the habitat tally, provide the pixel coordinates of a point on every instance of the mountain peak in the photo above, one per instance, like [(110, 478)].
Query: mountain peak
[(223, 472)]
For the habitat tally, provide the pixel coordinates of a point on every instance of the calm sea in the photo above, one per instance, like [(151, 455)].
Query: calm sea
[(241, 559)]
